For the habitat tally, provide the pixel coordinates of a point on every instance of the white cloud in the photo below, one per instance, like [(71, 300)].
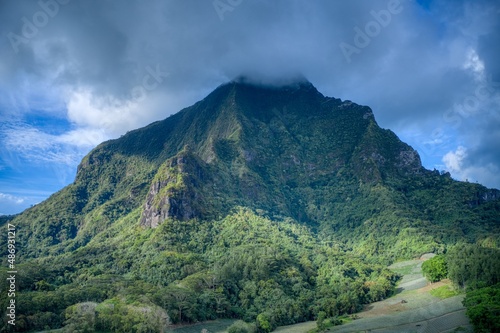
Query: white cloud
[(106, 113), (40, 147), (475, 64), (457, 163), (8, 198), (83, 137), (453, 160), (110, 116)]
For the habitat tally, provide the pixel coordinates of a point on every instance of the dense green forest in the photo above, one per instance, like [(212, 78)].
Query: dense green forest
[(270, 205), (243, 266), (476, 270)]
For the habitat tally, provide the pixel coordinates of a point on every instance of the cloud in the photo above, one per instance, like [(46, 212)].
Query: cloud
[(453, 160), (460, 164), (82, 137), (108, 114), (11, 204), (7, 198), (423, 71), (37, 146)]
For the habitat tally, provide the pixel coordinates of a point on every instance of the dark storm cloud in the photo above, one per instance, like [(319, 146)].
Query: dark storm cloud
[(106, 45), (405, 60)]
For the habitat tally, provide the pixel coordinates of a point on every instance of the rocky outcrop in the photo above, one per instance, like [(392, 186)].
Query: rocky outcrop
[(489, 195), (484, 196), (174, 192)]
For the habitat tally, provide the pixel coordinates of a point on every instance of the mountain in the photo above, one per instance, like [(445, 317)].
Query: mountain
[(255, 195)]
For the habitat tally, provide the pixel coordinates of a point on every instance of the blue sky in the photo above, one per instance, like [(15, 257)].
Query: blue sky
[(74, 73), (33, 166)]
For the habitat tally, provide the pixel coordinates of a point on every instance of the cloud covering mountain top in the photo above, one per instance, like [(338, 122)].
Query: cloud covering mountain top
[(74, 73)]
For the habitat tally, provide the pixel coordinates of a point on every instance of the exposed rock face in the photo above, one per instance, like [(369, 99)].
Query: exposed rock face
[(485, 196), (173, 191), (409, 159), (489, 195)]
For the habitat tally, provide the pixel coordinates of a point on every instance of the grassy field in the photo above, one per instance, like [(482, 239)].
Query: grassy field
[(297, 328), (406, 267), (405, 319), (416, 307), (216, 326), (444, 292)]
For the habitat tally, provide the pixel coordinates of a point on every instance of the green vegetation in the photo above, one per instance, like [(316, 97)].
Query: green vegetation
[(444, 292), (324, 324), (483, 308), (473, 266), (245, 265), (271, 206), (114, 315), (477, 270), (241, 327), (4, 219), (435, 268)]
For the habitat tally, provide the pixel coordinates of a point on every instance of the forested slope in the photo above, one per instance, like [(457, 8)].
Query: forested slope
[(252, 197)]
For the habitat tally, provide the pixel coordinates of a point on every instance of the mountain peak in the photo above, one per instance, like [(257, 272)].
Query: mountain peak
[(293, 82), (255, 190), (263, 98)]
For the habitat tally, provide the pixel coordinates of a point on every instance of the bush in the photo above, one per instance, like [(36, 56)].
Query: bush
[(264, 323), (241, 327), (320, 322), (435, 269), (80, 318)]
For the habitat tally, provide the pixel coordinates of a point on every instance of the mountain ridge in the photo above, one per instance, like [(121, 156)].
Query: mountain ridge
[(269, 204), (265, 143), (234, 127)]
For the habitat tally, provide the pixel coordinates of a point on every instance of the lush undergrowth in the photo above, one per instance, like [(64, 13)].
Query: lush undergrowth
[(444, 292)]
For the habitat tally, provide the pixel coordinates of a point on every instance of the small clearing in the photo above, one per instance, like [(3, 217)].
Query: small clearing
[(215, 326), (412, 308), (297, 328)]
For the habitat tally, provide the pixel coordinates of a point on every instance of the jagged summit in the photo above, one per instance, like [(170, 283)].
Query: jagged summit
[(257, 145), (224, 110)]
